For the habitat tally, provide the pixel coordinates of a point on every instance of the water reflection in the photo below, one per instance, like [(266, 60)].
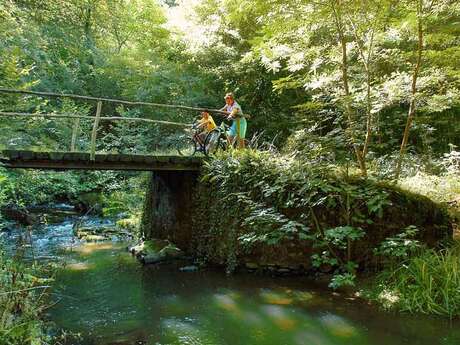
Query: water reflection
[(119, 302), (110, 299)]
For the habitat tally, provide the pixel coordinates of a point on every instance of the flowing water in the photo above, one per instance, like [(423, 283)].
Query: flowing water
[(105, 295)]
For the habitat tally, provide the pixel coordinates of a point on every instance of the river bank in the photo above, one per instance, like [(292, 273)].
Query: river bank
[(102, 293), (262, 236)]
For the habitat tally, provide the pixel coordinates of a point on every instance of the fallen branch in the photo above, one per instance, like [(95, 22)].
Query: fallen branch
[(28, 289)]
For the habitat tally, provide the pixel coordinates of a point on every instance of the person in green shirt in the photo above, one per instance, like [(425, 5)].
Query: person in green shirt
[(239, 125)]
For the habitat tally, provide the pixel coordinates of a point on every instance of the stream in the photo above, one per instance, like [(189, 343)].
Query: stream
[(105, 295)]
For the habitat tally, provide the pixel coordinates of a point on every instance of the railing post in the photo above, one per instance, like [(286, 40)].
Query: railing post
[(76, 125), (94, 132)]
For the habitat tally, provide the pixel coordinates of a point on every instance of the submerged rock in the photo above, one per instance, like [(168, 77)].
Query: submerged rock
[(99, 232), (155, 251), (93, 238), (151, 259), (191, 268)]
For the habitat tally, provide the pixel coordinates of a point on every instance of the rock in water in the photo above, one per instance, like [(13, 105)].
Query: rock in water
[(136, 249), (151, 259), (191, 268), (155, 251), (171, 252), (252, 266)]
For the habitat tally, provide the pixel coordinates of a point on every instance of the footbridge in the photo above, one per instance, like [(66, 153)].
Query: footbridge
[(90, 155), (84, 161), (80, 142)]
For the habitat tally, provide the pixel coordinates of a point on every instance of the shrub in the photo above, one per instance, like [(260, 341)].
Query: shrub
[(427, 282), (283, 210), (22, 302)]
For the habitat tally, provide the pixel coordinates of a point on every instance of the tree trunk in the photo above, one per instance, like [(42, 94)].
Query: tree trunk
[(349, 111), (413, 105), (366, 63)]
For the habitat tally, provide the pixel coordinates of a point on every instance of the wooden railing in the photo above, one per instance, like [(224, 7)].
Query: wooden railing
[(98, 116)]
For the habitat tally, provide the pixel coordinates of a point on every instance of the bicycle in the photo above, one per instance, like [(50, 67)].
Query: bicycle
[(193, 142), (189, 143), (217, 140)]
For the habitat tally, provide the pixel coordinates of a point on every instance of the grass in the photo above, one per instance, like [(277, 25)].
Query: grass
[(427, 282), (22, 301), (443, 189)]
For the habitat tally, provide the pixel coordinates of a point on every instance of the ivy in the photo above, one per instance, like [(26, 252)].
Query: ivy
[(258, 200)]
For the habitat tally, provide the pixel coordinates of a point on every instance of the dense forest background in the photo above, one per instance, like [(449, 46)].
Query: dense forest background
[(354, 94), (283, 59), (343, 82)]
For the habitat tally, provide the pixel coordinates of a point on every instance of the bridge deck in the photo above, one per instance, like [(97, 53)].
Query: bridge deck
[(77, 160)]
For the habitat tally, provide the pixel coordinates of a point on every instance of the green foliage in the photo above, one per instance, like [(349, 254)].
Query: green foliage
[(426, 282), (23, 188), (400, 246), (341, 235), (444, 189), (23, 299), (298, 46), (255, 204), (280, 60), (342, 280)]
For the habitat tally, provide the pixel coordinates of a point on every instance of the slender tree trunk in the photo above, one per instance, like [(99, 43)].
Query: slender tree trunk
[(348, 109), (412, 105), (88, 17), (367, 141), (366, 60)]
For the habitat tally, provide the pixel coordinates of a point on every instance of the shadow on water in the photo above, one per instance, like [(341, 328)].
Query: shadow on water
[(115, 301), (105, 295)]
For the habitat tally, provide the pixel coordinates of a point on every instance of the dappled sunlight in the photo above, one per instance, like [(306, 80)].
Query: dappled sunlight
[(303, 297), (227, 302), (275, 298), (268, 160), (338, 326), (280, 317), (90, 248), (78, 266), (186, 333)]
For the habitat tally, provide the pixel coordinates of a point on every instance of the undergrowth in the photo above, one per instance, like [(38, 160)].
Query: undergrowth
[(426, 281), (23, 299), (280, 209)]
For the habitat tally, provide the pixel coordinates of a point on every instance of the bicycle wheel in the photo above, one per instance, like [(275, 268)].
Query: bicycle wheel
[(213, 142), (187, 147)]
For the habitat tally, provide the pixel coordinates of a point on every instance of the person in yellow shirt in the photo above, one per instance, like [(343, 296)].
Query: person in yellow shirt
[(205, 125)]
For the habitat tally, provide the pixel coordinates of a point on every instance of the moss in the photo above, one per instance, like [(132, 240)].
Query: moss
[(255, 207), (131, 224), (154, 246)]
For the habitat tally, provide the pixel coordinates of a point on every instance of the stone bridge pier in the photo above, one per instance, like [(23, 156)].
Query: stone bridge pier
[(168, 206)]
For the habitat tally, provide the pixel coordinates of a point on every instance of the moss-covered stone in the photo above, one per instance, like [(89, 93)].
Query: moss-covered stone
[(274, 212), (155, 251), (258, 197), (99, 233)]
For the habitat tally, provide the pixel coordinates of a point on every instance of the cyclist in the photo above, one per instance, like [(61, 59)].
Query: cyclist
[(205, 125), (239, 125)]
